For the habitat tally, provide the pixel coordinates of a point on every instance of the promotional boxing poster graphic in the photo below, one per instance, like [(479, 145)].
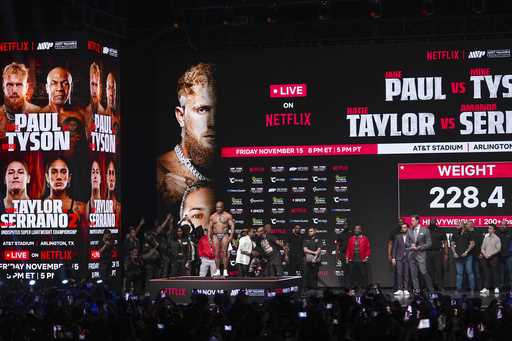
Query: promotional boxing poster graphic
[(333, 137), (60, 159)]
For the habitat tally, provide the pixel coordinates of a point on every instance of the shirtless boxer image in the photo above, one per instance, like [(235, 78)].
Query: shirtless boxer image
[(220, 221)]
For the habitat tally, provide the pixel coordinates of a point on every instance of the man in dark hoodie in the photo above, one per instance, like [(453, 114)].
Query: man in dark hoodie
[(437, 255)]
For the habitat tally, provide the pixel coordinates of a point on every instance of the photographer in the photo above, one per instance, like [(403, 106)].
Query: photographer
[(133, 272), (194, 236), (271, 258), (163, 238), (180, 254), (151, 257), (132, 241)]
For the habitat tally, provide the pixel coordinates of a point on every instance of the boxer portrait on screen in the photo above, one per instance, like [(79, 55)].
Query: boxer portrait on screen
[(16, 181), (111, 190), (197, 205), (112, 106), (111, 89), (190, 160), (95, 187), (58, 179), (15, 88), (59, 85), (94, 107)]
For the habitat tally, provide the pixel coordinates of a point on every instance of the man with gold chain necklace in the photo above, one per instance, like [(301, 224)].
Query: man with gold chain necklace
[(189, 160)]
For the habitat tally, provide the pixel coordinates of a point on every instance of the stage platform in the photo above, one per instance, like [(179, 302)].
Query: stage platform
[(181, 289), (257, 289)]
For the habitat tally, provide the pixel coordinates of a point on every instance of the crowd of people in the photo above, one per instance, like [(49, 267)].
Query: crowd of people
[(418, 254), (182, 249), (482, 259), (92, 312)]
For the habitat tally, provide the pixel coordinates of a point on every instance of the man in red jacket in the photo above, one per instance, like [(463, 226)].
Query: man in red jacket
[(207, 256), (357, 255)]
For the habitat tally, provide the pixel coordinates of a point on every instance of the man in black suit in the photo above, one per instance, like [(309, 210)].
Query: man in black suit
[(400, 260), (418, 241)]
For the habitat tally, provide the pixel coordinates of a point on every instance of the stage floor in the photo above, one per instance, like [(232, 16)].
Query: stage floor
[(406, 300), (486, 300)]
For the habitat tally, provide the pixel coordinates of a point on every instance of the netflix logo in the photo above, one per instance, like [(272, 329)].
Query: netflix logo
[(288, 90), (444, 55), (256, 169), (174, 292), (56, 255), (16, 255), (94, 46), (10, 46), (94, 255), (279, 231)]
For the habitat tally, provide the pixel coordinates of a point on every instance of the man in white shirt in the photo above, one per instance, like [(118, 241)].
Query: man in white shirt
[(489, 253), (243, 254)]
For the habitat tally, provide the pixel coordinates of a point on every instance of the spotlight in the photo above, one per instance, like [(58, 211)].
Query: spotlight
[(65, 281), (99, 281), (375, 8), (32, 282)]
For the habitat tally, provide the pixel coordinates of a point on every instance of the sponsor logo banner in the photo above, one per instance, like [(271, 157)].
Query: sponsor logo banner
[(455, 170)]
